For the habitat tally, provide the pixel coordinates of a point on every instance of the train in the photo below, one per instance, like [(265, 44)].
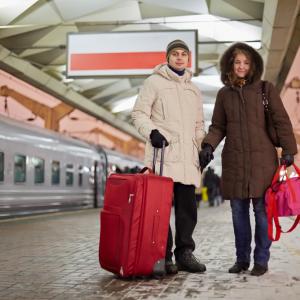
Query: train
[(42, 171)]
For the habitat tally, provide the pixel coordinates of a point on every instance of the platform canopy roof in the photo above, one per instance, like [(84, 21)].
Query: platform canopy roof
[(33, 43)]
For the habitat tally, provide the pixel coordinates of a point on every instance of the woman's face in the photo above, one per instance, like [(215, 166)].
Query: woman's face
[(241, 65)]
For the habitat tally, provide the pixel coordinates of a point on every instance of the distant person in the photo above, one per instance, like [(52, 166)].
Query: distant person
[(249, 159), (209, 180), (169, 108), (218, 199)]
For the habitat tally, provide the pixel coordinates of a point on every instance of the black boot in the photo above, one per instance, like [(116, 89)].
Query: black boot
[(186, 261), (238, 267), (258, 270), (171, 268)]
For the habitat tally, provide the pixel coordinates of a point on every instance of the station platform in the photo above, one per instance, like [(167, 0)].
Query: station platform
[(56, 257)]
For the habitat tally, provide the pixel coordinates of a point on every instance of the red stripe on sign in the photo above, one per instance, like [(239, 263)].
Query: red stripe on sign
[(117, 61)]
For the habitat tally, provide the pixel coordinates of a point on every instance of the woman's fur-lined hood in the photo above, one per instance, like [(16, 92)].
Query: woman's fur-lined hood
[(226, 62)]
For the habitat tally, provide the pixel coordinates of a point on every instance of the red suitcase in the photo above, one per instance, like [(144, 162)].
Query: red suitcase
[(134, 223)]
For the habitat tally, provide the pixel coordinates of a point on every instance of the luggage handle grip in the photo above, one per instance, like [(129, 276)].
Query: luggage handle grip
[(155, 154)]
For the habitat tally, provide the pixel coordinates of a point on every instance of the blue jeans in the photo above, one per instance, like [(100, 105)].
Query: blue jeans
[(242, 230)]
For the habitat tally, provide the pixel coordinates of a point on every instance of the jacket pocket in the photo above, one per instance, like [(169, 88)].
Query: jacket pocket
[(110, 241), (158, 110), (172, 152), (168, 98), (163, 109)]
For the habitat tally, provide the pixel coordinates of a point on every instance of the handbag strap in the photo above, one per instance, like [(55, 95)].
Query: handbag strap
[(276, 176), (264, 95), (293, 226), (272, 214), (297, 169)]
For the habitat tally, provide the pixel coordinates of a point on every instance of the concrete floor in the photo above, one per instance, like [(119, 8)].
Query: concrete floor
[(56, 257)]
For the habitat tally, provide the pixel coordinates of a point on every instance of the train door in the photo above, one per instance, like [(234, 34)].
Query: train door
[(100, 178)]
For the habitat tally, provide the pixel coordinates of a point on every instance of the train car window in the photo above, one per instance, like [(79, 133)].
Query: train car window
[(55, 177), (20, 168), (39, 170), (80, 175), (1, 166), (69, 174)]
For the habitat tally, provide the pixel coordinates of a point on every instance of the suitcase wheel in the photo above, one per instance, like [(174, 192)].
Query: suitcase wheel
[(159, 270)]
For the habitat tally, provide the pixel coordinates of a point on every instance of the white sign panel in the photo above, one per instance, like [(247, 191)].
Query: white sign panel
[(124, 53)]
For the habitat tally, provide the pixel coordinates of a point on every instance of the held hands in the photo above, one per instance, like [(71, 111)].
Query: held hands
[(205, 156), (157, 139), (287, 160)]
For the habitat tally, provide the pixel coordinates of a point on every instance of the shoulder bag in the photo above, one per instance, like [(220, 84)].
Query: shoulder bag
[(268, 117)]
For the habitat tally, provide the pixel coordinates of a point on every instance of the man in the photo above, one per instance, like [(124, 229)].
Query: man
[(169, 108)]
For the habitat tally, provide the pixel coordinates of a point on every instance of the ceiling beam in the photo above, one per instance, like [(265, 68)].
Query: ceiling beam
[(290, 54), (278, 25)]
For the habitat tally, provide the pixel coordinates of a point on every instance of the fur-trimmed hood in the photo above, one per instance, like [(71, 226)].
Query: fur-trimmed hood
[(227, 61)]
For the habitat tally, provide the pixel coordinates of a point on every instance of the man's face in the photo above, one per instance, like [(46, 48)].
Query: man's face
[(178, 59)]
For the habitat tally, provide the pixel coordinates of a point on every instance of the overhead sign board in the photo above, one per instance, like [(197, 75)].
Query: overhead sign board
[(123, 53)]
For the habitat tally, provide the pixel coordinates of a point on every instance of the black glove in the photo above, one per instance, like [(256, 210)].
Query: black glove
[(157, 139), (287, 160), (205, 155)]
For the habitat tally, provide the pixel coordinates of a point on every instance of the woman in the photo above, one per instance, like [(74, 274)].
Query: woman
[(249, 159)]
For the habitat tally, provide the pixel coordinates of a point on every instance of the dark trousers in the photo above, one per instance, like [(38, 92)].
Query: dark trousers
[(185, 219), (242, 230)]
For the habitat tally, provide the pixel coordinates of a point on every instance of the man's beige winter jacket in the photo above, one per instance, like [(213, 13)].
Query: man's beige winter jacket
[(173, 105)]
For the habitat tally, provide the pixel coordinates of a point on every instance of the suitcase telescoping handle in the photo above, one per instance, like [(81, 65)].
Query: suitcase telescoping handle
[(155, 154)]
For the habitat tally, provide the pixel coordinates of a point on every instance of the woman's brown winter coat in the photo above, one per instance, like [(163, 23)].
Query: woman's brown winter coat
[(249, 158)]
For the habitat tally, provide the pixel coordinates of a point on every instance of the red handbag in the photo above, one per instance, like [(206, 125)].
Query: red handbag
[(282, 199)]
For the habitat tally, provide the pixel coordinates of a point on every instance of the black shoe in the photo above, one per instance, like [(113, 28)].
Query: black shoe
[(238, 267), (186, 261), (171, 268), (258, 270)]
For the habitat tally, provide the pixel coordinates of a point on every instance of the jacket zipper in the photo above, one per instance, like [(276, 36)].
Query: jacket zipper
[(245, 158), (178, 94), (163, 110)]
